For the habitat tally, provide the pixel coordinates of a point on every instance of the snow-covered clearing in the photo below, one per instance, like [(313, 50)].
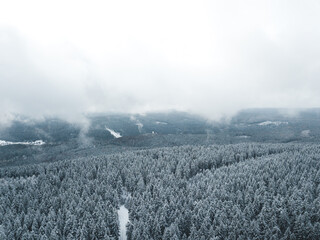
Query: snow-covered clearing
[(161, 123), (123, 215), (243, 136), (114, 133), (305, 133), (276, 123), (35, 143)]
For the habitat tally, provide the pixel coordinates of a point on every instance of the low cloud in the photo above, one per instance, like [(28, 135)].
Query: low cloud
[(207, 58)]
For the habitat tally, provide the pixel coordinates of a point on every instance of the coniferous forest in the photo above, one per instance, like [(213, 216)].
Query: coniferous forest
[(159, 120), (233, 191)]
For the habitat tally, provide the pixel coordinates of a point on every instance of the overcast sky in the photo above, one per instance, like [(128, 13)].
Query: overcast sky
[(214, 58)]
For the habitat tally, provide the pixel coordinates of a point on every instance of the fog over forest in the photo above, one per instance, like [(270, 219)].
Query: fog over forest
[(211, 58), (164, 120)]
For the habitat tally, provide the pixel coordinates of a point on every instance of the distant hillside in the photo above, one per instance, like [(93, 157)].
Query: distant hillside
[(115, 132)]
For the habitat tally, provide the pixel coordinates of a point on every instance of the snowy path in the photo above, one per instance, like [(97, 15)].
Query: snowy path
[(123, 215), (114, 133), (35, 143)]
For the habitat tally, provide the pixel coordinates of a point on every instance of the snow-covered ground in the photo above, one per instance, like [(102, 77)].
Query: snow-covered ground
[(123, 215), (35, 143), (305, 133), (114, 133), (161, 123), (276, 123), (243, 136)]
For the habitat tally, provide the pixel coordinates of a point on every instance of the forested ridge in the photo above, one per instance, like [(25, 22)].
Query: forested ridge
[(240, 191)]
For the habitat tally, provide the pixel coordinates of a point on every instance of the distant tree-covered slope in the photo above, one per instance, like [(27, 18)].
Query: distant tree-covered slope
[(241, 191), (114, 132)]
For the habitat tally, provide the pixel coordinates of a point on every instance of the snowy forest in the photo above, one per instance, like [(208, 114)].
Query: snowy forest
[(159, 120), (233, 191)]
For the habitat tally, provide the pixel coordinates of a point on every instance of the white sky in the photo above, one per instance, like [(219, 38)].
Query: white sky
[(209, 57)]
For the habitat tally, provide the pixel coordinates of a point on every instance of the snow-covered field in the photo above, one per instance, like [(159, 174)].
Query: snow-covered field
[(114, 133), (35, 143), (276, 123), (123, 215), (243, 136), (305, 133), (161, 123)]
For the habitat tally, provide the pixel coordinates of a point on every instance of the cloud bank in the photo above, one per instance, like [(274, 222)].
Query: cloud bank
[(67, 58)]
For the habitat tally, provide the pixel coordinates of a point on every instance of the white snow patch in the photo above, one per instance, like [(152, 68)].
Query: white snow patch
[(305, 133), (113, 133), (35, 143), (276, 123), (243, 136), (38, 142), (123, 215), (161, 123)]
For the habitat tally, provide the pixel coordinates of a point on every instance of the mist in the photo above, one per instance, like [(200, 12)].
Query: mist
[(213, 58)]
